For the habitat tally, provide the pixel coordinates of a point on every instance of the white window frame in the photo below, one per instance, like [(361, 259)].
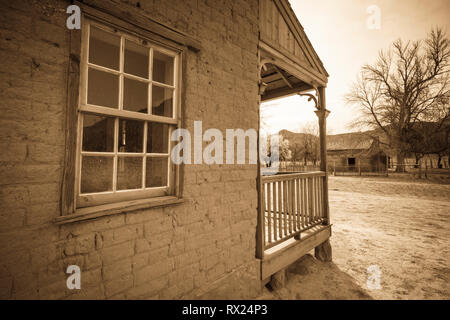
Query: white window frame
[(117, 196)]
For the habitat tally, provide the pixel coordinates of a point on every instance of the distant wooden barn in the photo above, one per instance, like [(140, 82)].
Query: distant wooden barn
[(356, 152)]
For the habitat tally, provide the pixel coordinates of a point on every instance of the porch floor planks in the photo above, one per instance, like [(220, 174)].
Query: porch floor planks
[(289, 251)]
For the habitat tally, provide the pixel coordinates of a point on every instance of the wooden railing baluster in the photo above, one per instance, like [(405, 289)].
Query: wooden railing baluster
[(296, 194), (316, 200), (275, 211), (321, 197), (280, 209), (304, 203), (294, 211), (269, 205)]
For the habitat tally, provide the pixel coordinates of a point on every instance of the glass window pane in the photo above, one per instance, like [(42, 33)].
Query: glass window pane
[(103, 89), (104, 48), (96, 174), (98, 133), (162, 68), (129, 173), (135, 95), (157, 138), (131, 136), (156, 172), (136, 59), (162, 101)]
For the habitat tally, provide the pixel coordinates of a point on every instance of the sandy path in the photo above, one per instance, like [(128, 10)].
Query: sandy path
[(402, 227)]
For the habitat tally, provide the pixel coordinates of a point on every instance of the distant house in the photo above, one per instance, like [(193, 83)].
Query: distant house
[(356, 151)]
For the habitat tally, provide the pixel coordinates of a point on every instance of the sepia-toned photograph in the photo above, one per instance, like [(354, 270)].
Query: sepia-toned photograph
[(210, 151)]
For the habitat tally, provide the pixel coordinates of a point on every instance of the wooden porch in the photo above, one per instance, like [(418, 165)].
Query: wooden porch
[(293, 216)]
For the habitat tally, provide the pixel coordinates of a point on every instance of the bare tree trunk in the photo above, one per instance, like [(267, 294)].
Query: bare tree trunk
[(420, 169), (418, 157), (400, 162)]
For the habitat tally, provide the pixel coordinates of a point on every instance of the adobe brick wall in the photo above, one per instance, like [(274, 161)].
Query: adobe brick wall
[(184, 251)]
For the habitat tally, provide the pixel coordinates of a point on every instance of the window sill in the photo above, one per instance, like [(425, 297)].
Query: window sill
[(116, 208)]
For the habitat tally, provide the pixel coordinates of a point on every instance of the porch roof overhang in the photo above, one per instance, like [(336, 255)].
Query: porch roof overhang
[(282, 76), (279, 80), (289, 64)]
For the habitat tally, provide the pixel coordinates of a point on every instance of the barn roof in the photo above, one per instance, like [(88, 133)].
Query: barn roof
[(349, 141)]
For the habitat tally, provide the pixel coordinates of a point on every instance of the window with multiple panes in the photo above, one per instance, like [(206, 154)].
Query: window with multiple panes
[(128, 108)]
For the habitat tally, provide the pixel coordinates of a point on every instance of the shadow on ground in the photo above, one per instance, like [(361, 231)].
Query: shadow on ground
[(311, 279)]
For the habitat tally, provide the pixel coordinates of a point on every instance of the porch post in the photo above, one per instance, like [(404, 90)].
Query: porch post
[(259, 185), (322, 114)]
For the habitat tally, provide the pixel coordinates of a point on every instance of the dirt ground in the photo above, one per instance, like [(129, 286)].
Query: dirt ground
[(401, 227)]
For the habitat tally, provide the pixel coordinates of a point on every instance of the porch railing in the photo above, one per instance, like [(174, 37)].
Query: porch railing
[(291, 204)]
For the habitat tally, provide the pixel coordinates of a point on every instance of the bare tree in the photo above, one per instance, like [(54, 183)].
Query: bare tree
[(409, 84), (430, 138), (296, 151)]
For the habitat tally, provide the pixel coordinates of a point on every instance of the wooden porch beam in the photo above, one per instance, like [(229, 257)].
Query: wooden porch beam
[(290, 63), (283, 77), (274, 94), (275, 77)]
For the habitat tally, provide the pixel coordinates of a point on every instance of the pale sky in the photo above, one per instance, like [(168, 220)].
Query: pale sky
[(338, 31)]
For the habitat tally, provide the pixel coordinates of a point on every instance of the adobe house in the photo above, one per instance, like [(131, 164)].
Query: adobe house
[(355, 152), (86, 172)]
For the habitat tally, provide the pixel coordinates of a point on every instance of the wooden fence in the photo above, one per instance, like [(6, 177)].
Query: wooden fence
[(297, 167), (357, 170)]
